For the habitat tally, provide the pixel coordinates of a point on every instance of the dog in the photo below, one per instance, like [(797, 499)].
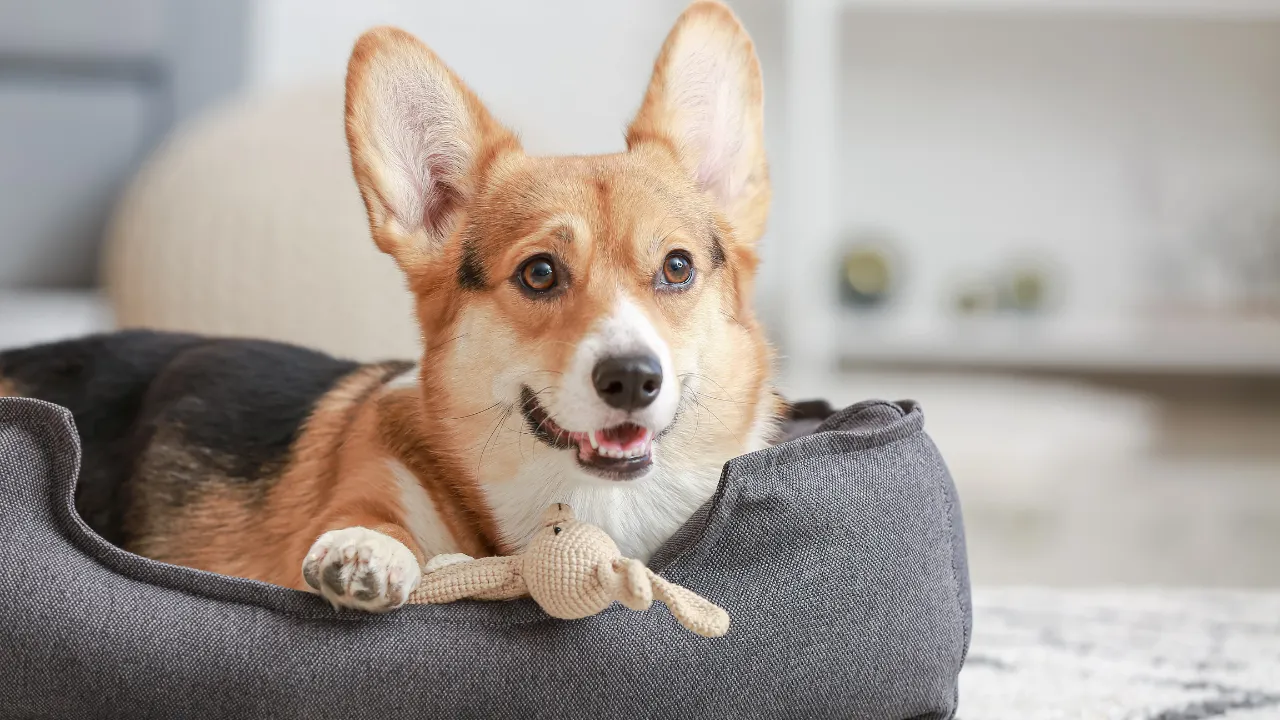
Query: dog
[(588, 334)]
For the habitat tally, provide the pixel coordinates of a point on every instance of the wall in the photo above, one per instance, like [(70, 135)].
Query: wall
[(87, 89), (566, 74), (1110, 146)]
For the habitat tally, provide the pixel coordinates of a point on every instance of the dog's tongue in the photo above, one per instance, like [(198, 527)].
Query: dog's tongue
[(625, 440), (624, 437)]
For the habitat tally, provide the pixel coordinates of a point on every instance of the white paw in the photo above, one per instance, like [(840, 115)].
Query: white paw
[(361, 569), (442, 561)]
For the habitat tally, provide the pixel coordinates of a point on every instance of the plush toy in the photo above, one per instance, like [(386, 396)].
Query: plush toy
[(573, 570)]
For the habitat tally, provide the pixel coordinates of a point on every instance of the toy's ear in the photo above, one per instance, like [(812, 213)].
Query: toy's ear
[(698, 614), (491, 578), (557, 513), (628, 581)]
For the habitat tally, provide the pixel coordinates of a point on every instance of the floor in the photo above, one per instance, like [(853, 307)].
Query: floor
[(1049, 654), (1101, 481)]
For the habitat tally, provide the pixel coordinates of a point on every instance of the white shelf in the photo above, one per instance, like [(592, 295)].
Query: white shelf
[(1208, 9), (815, 334), (1231, 348)]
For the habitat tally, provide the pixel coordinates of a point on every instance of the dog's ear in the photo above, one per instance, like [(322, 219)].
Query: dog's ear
[(705, 103), (420, 142)]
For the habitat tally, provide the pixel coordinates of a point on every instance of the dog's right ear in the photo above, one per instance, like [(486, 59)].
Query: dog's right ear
[(420, 142)]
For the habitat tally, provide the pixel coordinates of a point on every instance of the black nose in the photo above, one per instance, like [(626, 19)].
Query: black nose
[(628, 382)]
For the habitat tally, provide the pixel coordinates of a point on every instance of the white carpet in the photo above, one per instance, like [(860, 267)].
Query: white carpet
[(1123, 655)]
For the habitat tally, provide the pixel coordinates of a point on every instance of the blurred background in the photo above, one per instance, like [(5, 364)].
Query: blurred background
[(1055, 223)]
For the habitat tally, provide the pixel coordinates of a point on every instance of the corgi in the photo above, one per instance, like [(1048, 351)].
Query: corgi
[(588, 338)]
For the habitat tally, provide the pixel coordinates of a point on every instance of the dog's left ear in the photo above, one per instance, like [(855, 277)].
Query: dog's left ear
[(706, 103)]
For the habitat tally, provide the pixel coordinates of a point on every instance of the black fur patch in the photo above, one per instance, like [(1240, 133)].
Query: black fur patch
[(103, 381), (246, 399), (717, 250), (471, 271), (240, 404)]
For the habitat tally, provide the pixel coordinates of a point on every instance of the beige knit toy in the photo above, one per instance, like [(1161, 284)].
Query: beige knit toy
[(573, 570)]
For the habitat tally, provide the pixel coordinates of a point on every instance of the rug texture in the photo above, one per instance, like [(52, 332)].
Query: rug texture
[(1041, 654)]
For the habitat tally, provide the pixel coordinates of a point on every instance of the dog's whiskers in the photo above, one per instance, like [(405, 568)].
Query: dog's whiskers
[(478, 412), (697, 416), (733, 318), (432, 348), (663, 239), (694, 396), (535, 372), (685, 385), (502, 420)]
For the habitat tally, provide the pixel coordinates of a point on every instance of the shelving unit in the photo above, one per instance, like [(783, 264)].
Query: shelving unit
[(1151, 8), (818, 334), (1239, 348)]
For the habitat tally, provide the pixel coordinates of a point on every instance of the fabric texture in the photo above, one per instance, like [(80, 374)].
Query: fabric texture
[(839, 555)]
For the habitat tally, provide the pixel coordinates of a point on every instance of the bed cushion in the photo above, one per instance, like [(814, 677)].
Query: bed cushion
[(839, 555)]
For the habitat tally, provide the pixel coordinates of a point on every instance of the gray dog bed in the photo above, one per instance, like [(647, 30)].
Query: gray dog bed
[(839, 555)]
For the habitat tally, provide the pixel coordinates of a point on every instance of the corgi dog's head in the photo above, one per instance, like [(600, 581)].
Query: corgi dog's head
[(587, 323)]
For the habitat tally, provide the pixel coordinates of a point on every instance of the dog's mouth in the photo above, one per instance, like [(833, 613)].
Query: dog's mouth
[(621, 452)]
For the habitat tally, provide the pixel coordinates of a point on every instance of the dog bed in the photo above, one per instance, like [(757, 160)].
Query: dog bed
[(839, 555)]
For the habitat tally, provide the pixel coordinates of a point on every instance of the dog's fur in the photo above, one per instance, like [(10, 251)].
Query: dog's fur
[(272, 462)]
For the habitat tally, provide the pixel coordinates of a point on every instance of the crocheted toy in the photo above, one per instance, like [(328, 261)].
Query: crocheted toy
[(573, 570)]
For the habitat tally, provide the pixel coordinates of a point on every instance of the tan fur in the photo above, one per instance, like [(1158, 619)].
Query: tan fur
[(612, 218), (651, 125), (334, 479)]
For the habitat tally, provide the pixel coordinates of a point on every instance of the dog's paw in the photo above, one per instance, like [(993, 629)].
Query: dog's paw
[(361, 569)]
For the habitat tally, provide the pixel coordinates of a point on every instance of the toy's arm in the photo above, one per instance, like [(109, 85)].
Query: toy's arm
[(695, 612), (491, 578)]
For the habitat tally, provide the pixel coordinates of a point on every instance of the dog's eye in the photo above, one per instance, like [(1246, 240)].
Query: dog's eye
[(538, 274), (677, 269)]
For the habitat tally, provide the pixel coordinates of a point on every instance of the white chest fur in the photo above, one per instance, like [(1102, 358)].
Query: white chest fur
[(421, 517), (639, 515)]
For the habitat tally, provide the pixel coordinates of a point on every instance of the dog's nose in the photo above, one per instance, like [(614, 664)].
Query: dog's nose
[(628, 382)]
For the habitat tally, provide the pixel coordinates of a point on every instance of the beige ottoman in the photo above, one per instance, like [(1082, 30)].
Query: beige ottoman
[(248, 223)]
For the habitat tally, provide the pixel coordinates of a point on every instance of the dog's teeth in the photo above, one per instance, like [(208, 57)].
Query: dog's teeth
[(595, 443)]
